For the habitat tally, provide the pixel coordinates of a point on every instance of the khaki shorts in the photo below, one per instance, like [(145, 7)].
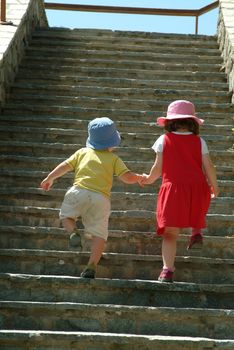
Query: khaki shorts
[(92, 207)]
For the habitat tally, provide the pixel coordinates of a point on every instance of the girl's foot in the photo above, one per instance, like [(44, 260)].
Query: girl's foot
[(166, 275), (196, 242)]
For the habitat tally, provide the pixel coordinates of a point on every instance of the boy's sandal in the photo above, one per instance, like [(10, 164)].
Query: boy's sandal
[(88, 273), (75, 240)]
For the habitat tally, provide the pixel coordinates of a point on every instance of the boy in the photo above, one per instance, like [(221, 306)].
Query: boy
[(89, 197)]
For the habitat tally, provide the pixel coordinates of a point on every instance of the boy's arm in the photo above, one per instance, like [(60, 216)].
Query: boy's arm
[(130, 177), (211, 174), (59, 171), (155, 172)]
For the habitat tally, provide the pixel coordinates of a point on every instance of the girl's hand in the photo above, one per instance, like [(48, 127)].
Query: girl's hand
[(214, 191), (46, 184), (143, 180)]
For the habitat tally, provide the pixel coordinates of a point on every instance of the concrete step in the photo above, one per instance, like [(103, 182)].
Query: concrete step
[(36, 141), (122, 319), (127, 220), (129, 46), (135, 127), (118, 92), (105, 341), (87, 32), (122, 72), (100, 102), (184, 47), (126, 201), (123, 63), (35, 77), (190, 269), (211, 116), (132, 36), (45, 288), (132, 44), (69, 53), (126, 242)]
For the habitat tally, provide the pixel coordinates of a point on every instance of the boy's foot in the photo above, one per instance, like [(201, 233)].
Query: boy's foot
[(88, 272), (166, 276), (75, 240), (196, 242)]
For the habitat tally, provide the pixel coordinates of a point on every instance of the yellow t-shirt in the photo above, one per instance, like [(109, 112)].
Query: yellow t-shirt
[(94, 170)]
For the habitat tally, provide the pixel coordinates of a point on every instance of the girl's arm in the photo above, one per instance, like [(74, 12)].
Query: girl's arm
[(59, 171), (211, 174), (155, 172)]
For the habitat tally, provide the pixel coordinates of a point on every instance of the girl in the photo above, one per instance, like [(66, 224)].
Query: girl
[(183, 160)]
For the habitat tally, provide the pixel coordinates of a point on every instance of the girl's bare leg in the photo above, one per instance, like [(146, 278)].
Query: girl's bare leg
[(169, 244)]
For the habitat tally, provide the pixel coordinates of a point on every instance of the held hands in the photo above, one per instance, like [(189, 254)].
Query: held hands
[(143, 180), (46, 184)]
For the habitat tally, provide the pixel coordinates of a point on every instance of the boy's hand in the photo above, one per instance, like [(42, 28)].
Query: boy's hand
[(46, 184)]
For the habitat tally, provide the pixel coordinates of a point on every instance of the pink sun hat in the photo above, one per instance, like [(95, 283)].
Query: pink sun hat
[(180, 109)]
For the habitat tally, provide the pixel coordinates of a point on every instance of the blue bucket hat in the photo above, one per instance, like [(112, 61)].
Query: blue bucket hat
[(102, 134)]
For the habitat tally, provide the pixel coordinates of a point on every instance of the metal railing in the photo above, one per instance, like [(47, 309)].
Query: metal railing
[(135, 10), (120, 9)]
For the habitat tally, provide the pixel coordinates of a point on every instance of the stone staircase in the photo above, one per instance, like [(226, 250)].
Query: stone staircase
[(67, 78)]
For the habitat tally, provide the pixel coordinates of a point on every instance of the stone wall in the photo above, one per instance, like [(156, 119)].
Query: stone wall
[(25, 15), (225, 34)]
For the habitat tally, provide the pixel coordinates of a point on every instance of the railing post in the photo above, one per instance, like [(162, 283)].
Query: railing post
[(3, 13), (196, 29)]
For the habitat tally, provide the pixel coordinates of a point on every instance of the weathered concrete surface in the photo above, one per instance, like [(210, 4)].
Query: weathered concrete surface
[(105, 341), (127, 266), (115, 291)]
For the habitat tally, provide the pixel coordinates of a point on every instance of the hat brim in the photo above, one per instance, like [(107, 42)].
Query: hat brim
[(161, 120), (114, 141)]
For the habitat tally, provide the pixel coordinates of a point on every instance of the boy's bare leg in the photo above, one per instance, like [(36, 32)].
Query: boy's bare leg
[(98, 245), (69, 224), (169, 247)]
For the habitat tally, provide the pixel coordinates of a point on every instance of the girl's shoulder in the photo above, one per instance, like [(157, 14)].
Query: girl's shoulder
[(158, 145)]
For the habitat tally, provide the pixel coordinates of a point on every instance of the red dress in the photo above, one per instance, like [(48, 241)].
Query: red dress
[(184, 196)]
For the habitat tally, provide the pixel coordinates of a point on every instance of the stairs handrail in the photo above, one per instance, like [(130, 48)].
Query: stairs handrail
[(135, 10)]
